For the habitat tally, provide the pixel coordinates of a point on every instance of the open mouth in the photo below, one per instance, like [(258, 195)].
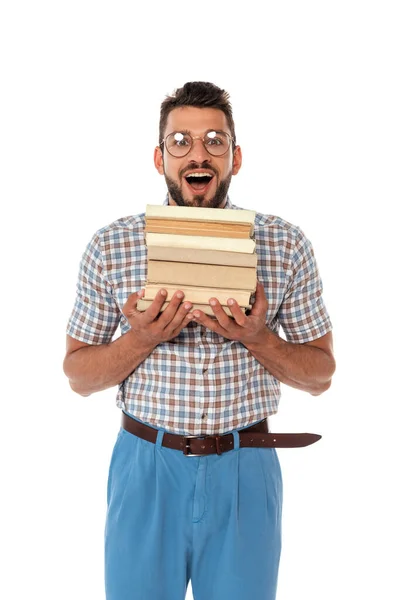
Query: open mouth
[(199, 182)]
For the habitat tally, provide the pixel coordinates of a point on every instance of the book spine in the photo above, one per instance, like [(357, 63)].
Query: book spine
[(194, 229), (200, 242), (211, 257), (221, 215), (198, 294), (195, 274)]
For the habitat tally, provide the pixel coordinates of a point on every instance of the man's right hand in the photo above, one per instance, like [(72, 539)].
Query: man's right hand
[(152, 327)]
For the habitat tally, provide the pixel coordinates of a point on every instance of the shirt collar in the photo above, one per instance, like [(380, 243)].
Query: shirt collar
[(228, 203)]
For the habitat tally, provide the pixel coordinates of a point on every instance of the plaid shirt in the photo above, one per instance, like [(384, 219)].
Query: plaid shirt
[(199, 382)]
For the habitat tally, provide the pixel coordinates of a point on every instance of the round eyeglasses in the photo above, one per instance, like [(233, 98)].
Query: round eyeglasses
[(179, 143)]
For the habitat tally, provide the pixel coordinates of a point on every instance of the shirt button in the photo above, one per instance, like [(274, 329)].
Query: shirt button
[(204, 416)]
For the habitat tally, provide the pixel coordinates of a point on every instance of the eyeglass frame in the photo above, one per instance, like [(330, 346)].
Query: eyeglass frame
[(199, 137)]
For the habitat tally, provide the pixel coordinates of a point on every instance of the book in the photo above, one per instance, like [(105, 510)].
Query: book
[(205, 252), (201, 255), (196, 274), (198, 213), (200, 295), (201, 242), (182, 227), (143, 304)]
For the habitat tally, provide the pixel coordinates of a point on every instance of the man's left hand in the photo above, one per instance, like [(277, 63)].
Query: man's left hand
[(240, 327)]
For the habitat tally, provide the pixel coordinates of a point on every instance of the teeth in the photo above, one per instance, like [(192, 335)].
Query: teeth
[(198, 175)]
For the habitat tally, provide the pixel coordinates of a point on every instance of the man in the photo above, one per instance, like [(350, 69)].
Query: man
[(194, 489)]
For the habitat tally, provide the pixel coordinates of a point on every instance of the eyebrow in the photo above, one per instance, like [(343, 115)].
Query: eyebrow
[(190, 133)]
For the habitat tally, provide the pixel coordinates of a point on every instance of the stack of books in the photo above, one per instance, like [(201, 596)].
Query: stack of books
[(205, 252)]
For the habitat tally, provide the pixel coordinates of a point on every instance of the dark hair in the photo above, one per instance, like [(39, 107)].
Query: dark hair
[(202, 95)]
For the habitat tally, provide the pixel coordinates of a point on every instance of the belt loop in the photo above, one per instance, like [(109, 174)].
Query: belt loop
[(236, 439), (160, 435)]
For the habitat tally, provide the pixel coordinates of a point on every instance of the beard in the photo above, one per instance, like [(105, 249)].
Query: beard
[(176, 194)]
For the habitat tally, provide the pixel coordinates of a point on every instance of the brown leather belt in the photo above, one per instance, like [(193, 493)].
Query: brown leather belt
[(255, 436)]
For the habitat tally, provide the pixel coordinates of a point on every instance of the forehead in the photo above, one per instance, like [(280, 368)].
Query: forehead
[(196, 120)]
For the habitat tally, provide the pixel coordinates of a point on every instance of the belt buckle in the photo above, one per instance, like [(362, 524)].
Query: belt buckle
[(186, 446)]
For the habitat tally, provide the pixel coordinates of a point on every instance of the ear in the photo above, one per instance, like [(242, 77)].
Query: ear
[(158, 160), (237, 160)]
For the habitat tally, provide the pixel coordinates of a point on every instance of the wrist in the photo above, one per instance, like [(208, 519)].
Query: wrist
[(140, 344), (266, 339)]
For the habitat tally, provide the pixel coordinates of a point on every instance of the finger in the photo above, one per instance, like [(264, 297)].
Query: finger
[(131, 303), (223, 318), (133, 298), (181, 320), (237, 312), (200, 317), (260, 305), (151, 313), (171, 312), (175, 314)]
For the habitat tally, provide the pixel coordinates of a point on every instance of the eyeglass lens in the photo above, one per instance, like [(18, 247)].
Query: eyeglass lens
[(179, 144)]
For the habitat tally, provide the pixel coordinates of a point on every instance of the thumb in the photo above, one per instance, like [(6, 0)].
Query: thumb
[(259, 308), (133, 298), (131, 303)]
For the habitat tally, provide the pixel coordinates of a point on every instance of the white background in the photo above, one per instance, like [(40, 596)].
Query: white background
[(315, 93)]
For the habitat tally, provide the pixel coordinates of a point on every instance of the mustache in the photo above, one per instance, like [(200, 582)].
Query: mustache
[(197, 166)]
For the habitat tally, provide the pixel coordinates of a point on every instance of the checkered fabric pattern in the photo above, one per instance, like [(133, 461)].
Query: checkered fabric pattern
[(199, 382)]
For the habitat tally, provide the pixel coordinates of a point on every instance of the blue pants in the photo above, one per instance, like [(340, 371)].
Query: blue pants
[(213, 520)]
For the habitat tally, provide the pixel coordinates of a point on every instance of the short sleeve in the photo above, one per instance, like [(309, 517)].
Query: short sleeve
[(95, 316), (302, 314)]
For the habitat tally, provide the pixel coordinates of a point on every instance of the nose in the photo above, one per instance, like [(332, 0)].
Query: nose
[(198, 152)]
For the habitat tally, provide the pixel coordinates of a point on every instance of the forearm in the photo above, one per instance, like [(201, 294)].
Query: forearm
[(298, 365), (96, 368)]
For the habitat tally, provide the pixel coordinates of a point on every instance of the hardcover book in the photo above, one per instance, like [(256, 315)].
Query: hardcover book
[(219, 276), (200, 295), (206, 308), (182, 227), (202, 255), (246, 245), (207, 215)]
